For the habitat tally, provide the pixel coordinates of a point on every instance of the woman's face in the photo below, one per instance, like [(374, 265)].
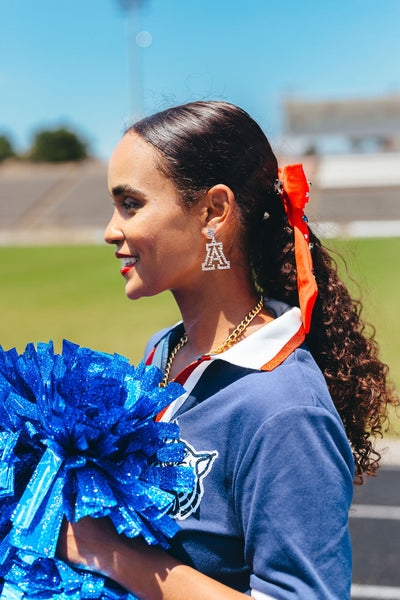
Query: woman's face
[(159, 243)]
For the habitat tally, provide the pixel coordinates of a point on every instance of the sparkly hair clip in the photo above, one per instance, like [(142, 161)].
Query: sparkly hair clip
[(278, 186)]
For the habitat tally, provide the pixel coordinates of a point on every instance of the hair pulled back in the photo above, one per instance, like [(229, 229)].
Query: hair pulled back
[(204, 143)]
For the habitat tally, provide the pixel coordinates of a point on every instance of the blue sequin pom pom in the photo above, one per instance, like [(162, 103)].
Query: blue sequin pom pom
[(78, 437)]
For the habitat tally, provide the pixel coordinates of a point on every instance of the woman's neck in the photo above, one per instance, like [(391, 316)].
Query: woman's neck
[(212, 313)]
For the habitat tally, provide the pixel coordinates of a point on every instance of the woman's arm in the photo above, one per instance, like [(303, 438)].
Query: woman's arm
[(145, 571)]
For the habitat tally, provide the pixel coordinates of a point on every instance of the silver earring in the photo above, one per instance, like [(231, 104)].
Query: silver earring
[(215, 254)]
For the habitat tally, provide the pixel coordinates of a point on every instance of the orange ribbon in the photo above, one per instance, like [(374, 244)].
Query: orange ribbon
[(295, 193)]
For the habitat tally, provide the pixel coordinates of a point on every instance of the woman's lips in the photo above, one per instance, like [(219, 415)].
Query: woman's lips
[(128, 262)]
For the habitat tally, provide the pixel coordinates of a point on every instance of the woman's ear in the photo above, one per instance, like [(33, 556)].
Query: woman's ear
[(218, 208)]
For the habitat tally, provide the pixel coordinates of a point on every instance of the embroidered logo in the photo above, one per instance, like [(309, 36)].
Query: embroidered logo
[(186, 504)]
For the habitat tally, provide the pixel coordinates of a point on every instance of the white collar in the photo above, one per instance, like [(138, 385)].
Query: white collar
[(264, 349), (271, 344)]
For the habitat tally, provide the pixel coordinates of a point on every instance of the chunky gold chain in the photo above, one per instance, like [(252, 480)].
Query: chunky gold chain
[(171, 357), (230, 340)]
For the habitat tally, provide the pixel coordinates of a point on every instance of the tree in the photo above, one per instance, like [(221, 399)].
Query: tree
[(6, 149), (57, 145)]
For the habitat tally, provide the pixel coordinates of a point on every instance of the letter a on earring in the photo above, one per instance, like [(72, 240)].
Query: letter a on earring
[(215, 254)]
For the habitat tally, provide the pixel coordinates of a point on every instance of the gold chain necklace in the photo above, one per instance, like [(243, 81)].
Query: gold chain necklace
[(230, 340), (171, 357)]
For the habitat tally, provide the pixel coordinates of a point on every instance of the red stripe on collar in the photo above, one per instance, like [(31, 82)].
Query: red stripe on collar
[(187, 371), (182, 377), (150, 357)]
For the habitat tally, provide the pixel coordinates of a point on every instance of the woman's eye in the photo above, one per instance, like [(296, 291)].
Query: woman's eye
[(130, 204)]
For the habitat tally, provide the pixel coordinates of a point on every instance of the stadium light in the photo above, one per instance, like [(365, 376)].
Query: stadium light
[(132, 10), (127, 5)]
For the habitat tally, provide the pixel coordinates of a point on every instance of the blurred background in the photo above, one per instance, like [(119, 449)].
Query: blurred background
[(321, 78)]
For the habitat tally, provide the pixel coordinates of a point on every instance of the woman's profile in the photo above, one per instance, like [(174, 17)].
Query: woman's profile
[(283, 391)]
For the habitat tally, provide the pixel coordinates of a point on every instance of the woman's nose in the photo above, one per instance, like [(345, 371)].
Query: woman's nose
[(113, 233)]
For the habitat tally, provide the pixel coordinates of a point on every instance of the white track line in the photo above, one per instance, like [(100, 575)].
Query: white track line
[(375, 592), (372, 511)]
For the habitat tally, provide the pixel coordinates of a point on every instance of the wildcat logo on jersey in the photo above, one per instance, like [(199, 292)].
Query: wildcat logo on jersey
[(201, 462)]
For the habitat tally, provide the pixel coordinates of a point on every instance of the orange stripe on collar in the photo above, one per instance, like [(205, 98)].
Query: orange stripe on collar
[(286, 350)]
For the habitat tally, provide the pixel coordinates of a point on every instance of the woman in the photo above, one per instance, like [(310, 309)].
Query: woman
[(201, 210)]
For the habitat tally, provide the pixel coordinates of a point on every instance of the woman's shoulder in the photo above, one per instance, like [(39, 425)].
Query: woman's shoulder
[(295, 382), (296, 386)]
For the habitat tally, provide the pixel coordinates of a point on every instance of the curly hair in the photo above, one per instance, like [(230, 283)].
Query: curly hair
[(340, 344), (201, 144)]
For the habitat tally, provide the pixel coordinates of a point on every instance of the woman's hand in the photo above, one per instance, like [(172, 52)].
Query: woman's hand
[(89, 543), (145, 571)]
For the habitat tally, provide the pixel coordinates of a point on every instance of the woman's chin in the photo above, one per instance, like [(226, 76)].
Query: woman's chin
[(135, 292)]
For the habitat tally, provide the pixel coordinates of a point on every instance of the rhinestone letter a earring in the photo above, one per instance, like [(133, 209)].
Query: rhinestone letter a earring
[(215, 254)]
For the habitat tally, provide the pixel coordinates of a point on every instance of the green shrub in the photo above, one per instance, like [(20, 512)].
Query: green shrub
[(6, 149), (57, 145)]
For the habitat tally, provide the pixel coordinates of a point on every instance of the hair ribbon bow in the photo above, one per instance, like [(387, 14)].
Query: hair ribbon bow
[(295, 191)]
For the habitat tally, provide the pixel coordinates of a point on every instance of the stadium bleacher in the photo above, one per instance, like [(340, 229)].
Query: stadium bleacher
[(64, 203), (69, 203)]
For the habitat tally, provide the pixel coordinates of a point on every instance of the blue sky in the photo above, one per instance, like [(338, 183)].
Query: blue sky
[(66, 62)]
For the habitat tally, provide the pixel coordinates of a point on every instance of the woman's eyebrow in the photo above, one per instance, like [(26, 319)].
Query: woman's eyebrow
[(118, 190)]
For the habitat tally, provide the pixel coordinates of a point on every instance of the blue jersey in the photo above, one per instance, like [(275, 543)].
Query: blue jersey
[(274, 469)]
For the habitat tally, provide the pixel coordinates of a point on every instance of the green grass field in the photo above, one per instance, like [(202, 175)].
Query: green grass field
[(374, 278), (77, 293)]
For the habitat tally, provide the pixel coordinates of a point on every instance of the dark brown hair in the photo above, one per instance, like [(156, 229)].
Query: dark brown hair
[(202, 144)]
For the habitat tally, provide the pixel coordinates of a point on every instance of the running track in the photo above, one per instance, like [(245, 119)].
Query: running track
[(375, 532)]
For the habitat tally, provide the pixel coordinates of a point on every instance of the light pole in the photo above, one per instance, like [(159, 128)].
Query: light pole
[(132, 10)]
